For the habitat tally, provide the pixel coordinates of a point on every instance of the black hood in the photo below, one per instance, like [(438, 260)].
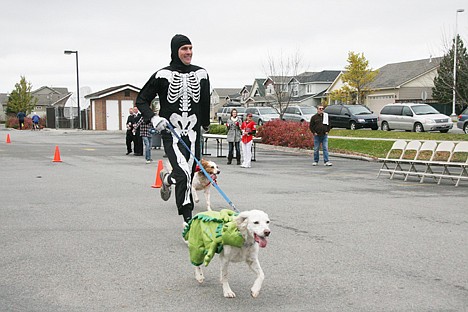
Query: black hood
[(176, 42)]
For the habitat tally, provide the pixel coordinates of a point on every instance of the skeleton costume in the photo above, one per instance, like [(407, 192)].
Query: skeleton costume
[(184, 95)]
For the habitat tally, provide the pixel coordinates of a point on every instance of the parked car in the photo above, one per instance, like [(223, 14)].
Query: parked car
[(417, 117), (351, 117), (463, 121), (223, 114), (262, 114), (299, 113)]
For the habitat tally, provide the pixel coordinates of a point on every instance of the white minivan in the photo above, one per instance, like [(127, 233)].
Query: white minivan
[(417, 117)]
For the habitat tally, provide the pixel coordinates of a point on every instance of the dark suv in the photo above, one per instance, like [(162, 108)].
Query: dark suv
[(351, 117), (463, 121)]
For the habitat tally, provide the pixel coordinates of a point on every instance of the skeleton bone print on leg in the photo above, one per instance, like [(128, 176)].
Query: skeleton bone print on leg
[(184, 87)]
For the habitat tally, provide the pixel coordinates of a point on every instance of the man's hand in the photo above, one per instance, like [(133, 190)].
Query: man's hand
[(159, 123)]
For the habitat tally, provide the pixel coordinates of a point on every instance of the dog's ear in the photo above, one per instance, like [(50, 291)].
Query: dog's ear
[(241, 220)]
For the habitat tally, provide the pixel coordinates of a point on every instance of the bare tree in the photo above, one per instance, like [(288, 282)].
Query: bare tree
[(280, 82)]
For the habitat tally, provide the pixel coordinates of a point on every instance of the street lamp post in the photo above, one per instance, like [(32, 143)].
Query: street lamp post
[(454, 96), (77, 86)]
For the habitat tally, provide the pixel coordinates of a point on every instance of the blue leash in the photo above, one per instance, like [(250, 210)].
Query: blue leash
[(203, 169)]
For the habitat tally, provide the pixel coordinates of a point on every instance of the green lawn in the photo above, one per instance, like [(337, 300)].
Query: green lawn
[(376, 149)]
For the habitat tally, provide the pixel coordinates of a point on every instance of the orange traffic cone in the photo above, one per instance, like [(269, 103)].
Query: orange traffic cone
[(158, 182), (8, 140), (57, 154)]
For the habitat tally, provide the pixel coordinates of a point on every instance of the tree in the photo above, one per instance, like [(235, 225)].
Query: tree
[(20, 99), (358, 76), (281, 71), (443, 83)]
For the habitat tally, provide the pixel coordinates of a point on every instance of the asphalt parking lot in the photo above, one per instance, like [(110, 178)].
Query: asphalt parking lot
[(91, 234)]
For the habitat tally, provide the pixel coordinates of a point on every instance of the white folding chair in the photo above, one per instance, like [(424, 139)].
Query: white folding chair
[(443, 147), (397, 146), (426, 151), (411, 148)]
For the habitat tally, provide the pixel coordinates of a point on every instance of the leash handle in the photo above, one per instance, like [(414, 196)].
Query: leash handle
[(203, 169)]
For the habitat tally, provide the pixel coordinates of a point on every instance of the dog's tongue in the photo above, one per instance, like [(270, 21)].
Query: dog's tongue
[(213, 176), (262, 241)]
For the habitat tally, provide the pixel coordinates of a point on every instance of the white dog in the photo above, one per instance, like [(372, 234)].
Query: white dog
[(254, 227), (201, 182)]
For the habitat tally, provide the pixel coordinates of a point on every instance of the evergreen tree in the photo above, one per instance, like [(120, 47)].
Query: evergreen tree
[(20, 99), (443, 83)]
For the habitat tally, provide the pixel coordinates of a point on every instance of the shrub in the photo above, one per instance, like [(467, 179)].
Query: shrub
[(286, 133), (217, 129), (12, 122)]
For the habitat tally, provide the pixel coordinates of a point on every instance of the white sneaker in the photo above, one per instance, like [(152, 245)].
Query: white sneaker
[(328, 164), (314, 164)]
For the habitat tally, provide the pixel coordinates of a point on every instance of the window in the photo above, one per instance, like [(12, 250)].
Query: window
[(309, 89), (127, 93), (407, 111), (333, 109)]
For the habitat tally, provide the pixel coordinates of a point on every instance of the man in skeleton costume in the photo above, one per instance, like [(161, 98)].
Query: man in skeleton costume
[(184, 95)]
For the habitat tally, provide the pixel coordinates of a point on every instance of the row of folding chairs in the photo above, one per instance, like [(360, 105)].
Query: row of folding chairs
[(427, 159)]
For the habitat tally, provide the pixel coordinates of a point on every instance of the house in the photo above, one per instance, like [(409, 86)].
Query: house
[(258, 95), (410, 81), (223, 96), (108, 109), (309, 87), (46, 97), (306, 89)]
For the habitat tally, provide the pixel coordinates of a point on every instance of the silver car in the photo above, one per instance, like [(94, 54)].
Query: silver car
[(413, 117), (262, 114), (299, 113)]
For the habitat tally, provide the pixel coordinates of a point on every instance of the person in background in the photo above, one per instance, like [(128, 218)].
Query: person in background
[(320, 126), (20, 117), (138, 142), (146, 136), (248, 131), (233, 136), (184, 94), (35, 120), (129, 135)]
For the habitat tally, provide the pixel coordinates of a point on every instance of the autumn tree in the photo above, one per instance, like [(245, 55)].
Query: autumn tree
[(357, 77), (443, 83), (20, 99), (281, 71)]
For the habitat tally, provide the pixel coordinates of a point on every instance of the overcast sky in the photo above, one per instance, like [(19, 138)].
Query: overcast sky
[(123, 42)]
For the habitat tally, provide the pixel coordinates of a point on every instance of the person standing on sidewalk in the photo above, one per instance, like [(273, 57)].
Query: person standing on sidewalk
[(184, 94), (233, 136), (248, 131), (320, 126)]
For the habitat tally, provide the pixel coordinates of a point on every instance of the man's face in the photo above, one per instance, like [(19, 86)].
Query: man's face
[(135, 110), (320, 109), (185, 54)]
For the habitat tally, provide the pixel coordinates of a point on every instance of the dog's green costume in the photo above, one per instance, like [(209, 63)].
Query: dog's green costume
[(208, 232)]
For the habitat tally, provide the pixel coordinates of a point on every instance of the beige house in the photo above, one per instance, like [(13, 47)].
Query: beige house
[(221, 97), (410, 81)]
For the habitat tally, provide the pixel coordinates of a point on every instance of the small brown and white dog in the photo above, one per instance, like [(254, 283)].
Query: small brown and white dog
[(254, 227), (201, 182)]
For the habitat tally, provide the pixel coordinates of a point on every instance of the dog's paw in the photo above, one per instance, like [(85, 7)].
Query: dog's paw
[(208, 208), (255, 293), (199, 275), (229, 294)]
